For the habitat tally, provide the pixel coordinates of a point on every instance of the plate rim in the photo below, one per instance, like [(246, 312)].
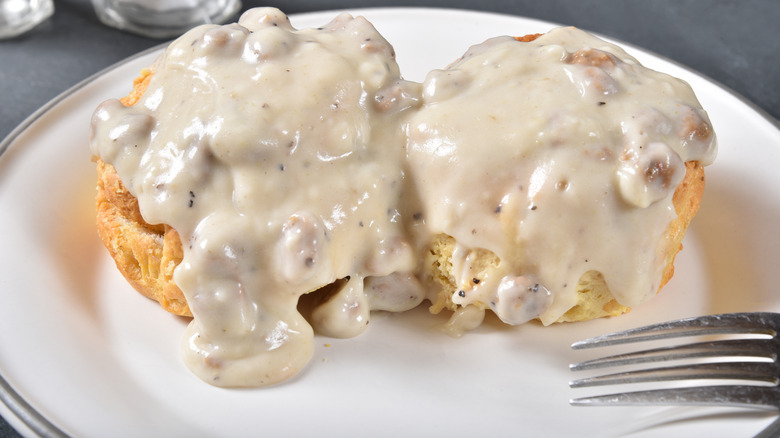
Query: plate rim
[(28, 415)]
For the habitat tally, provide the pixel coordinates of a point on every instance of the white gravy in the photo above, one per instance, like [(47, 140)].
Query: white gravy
[(561, 156), (291, 159)]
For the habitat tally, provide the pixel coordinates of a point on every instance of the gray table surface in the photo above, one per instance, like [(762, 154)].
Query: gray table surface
[(734, 42)]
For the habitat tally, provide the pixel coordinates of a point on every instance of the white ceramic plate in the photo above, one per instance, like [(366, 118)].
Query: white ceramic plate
[(95, 359)]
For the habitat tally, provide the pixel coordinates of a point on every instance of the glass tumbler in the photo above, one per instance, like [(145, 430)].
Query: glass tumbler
[(163, 18), (19, 16)]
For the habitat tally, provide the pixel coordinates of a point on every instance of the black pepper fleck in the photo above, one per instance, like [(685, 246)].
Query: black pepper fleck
[(498, 209), (281, 167), (309, 262), (461, 293), (417, 216), (475, 280), (602, 103)]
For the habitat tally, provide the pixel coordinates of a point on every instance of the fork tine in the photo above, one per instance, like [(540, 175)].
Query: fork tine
[(766, 348), (751, 371), (718, 395), (759, 323)]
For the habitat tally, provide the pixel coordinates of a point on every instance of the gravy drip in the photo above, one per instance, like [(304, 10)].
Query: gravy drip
[(275, 153)]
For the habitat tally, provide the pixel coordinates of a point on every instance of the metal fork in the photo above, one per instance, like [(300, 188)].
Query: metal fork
[(749, 394)]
